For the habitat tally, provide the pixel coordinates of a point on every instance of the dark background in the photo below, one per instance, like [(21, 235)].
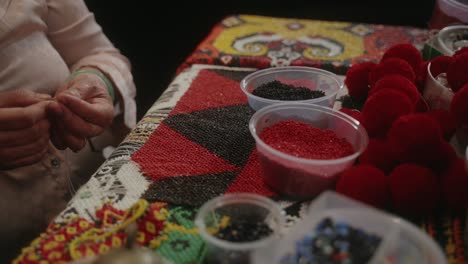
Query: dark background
[(158, 36)]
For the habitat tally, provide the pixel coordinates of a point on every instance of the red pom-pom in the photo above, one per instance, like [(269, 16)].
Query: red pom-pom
[(414, 189), (382, 108), (447, 123), (365, 183), (357, 79), (421, 105), (461, 51), (459, 105), (391, 66), (416, 138), (457, 72), (399, 83), (379, 154), (454, 184), (421, 75), (405, 51), (444, 157), (352, 113), (440, 64)]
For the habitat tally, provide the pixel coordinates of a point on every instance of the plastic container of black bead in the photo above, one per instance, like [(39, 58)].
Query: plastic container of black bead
[(338, 229), (234, 226), (291, 83)]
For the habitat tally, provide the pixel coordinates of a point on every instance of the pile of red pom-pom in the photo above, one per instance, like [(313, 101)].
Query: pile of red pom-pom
[(409, 165)]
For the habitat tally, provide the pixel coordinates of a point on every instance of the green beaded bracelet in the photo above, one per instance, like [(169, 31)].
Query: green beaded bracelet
[(108, 83)]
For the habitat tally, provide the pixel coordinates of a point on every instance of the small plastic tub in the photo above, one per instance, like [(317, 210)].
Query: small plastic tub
[(446, 41), (452, 38), (301, 177), (439, 96), (237, 208), (400, 240), (311, 78), (435, 93)]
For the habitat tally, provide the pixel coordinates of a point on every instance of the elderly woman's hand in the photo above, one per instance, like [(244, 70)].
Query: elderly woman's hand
[(24, 128), (83, 109)]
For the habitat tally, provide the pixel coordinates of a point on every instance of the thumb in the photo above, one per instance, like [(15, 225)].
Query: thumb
[(21, 97)]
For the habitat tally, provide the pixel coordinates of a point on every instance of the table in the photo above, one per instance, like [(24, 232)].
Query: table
[(193, 144)]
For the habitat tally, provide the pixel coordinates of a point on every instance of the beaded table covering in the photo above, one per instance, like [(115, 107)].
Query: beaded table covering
[(191, 146), (260, 42)]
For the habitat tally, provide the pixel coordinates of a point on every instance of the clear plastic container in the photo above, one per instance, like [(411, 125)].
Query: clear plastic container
[(452, 38), (449, 12), (446, 41), (401, 241), (436, 94), (300, 177), (312, 78), (237, 207)]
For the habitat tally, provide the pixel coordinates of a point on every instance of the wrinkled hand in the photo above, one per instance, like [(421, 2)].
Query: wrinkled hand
[(82, 109), (24, 128)]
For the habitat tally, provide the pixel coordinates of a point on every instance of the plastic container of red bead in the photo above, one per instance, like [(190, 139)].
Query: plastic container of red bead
[(291, 83), (338, 229), (303, 147)]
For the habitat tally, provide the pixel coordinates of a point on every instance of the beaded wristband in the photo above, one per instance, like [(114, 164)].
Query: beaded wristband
[(108, 83)]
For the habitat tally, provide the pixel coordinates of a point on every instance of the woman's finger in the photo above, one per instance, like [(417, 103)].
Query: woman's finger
[(77, 126), (73, 142), (22, 117), (25, 136), (25, 161), (99, 112), (21, 98), (11, 154)]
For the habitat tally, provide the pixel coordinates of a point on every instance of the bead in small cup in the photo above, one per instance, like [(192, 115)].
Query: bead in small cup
[(236, 225), (312, 80), (300, 177)]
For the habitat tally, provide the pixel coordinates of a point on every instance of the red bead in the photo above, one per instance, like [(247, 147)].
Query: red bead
[(303, 140)]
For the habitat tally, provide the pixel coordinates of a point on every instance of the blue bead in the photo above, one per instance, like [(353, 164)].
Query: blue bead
[(342, 229), (343, 246), (328, 231)]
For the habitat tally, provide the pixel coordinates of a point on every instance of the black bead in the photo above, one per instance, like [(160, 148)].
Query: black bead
[(243, 231), (277, 90)]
